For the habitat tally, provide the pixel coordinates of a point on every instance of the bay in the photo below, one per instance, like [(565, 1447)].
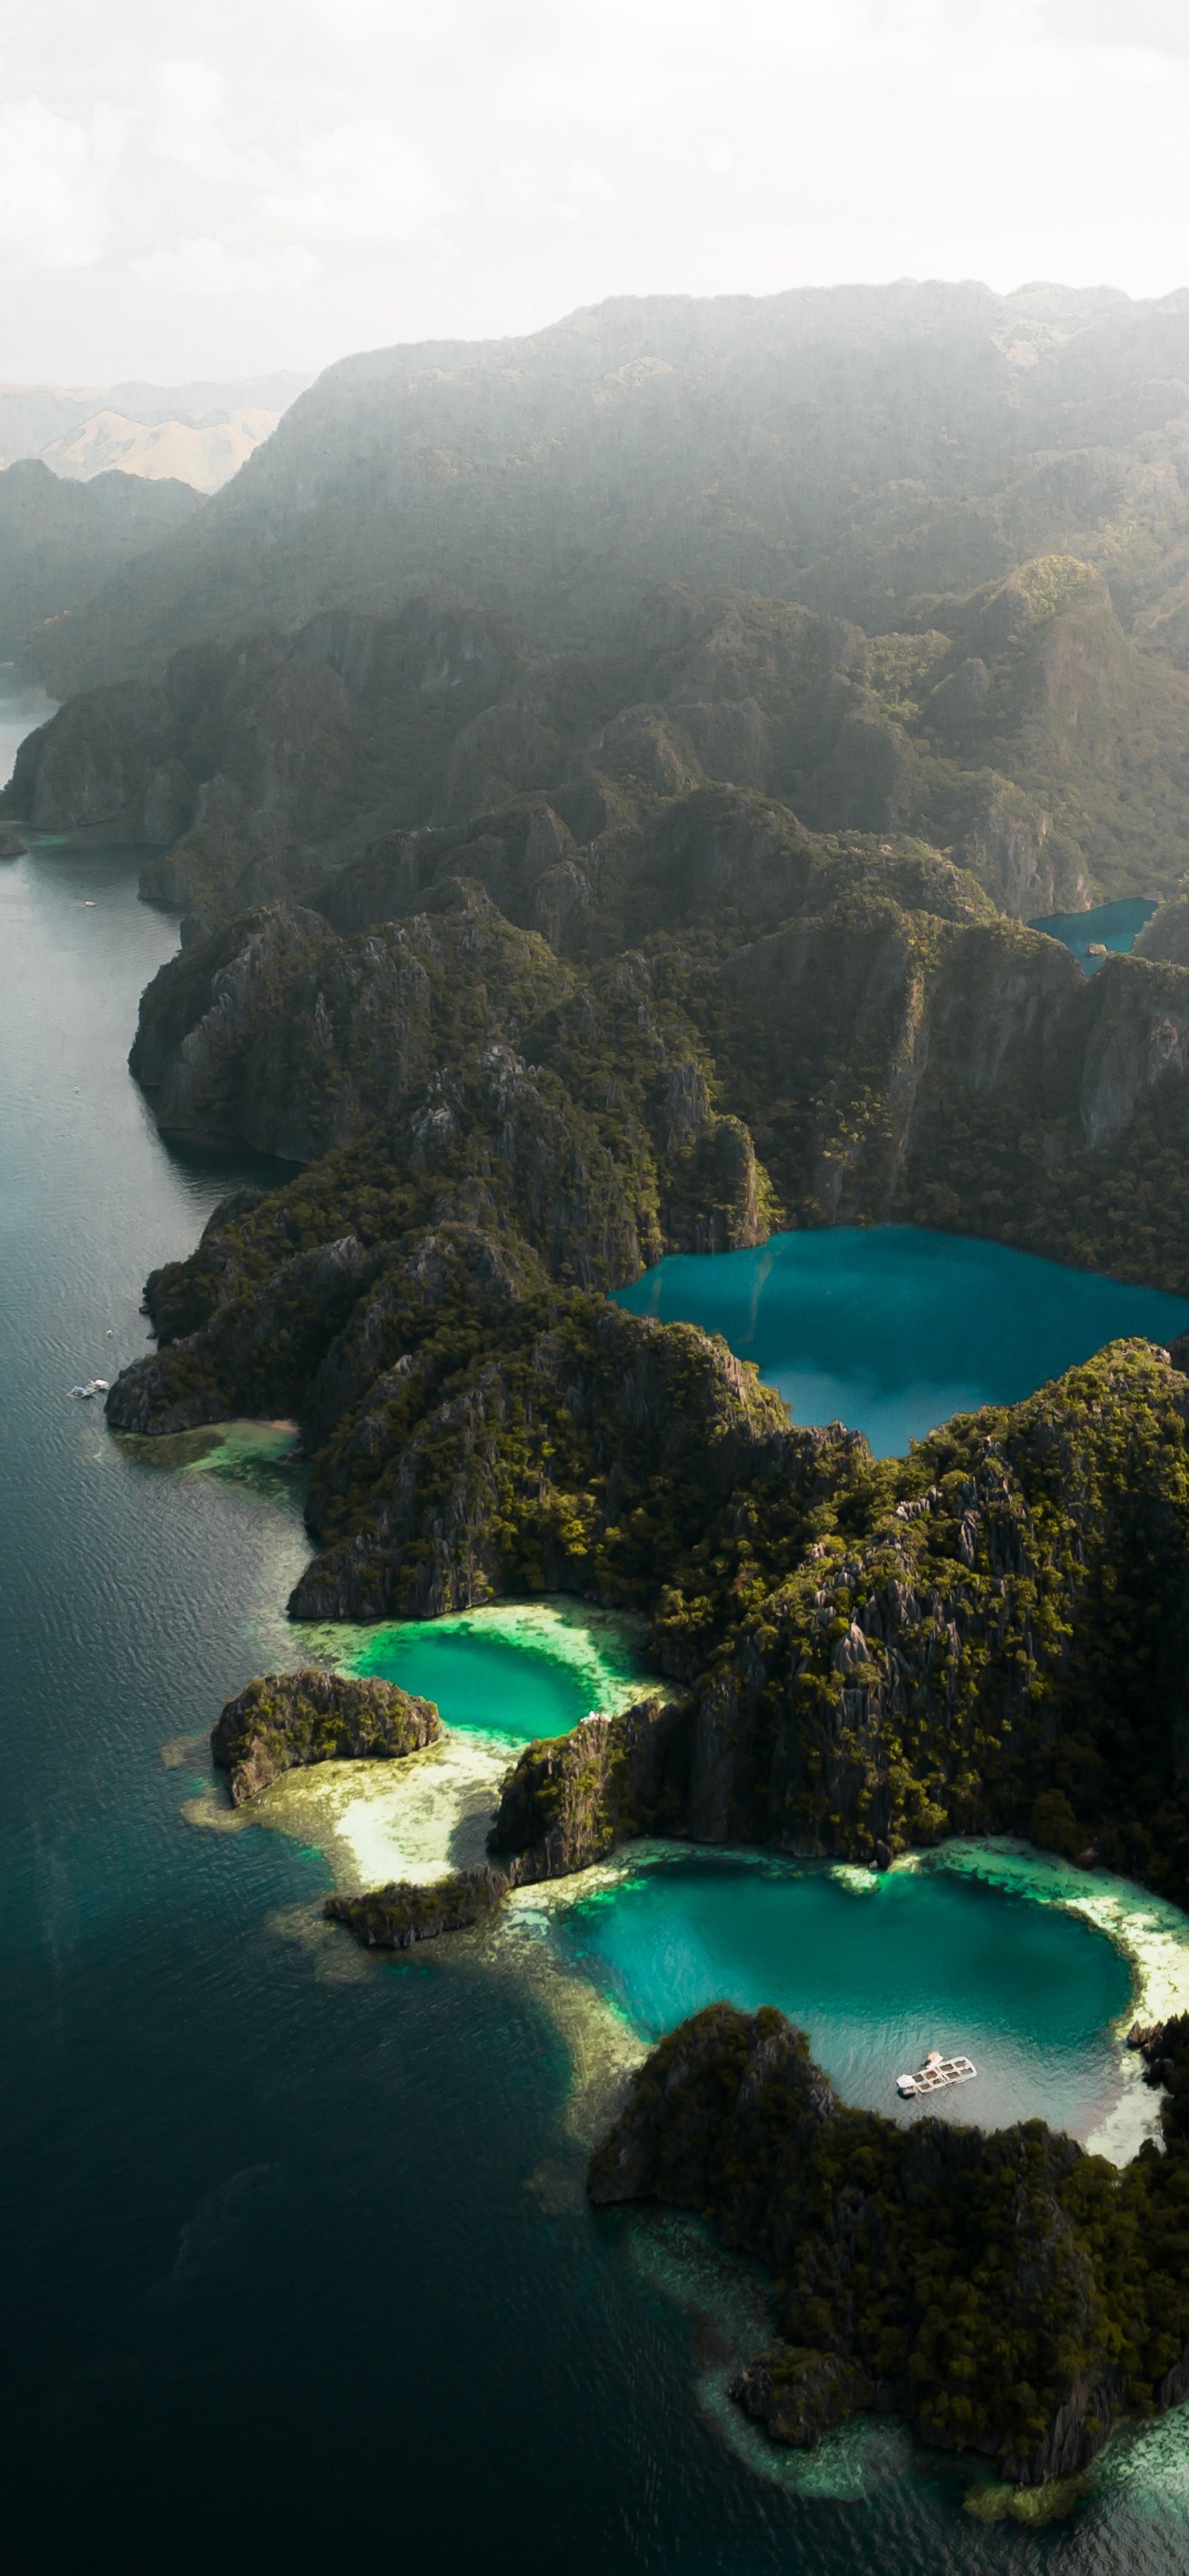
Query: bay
[(1113, 927)]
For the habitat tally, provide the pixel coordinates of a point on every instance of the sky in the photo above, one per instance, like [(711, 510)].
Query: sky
[(194, 191)]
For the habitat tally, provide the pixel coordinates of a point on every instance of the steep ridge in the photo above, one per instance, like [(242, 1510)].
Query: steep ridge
[(1019, 729), (851, 448), (546, 956), (61, 542), (893, 1052)]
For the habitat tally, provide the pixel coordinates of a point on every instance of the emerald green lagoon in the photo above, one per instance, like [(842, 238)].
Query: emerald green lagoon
[(891, 1328), (517, 1670), (298, 2262)]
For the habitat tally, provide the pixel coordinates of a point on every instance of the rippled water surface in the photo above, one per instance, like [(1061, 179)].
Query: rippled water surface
[(891, 1328), (297, 2269)]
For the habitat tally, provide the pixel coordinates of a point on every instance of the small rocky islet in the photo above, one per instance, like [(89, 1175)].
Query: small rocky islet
[(284, 1721)]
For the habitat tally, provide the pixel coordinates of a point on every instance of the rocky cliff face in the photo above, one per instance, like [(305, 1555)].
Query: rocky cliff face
[(585, 789), (892, 1053), (61, 542), (865, 447), (960, 1668), (997, 2292), (285, 1721)]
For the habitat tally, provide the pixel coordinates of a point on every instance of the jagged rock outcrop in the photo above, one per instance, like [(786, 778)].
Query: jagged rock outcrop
[(285, 1721), (411, 1910), (1165, 938), (1006, 2294), (955, 1664), (569, 1800), (257, 1356), (109, 757), (959, 1669), (978, 1080), (538, 1464), (1028, 739)]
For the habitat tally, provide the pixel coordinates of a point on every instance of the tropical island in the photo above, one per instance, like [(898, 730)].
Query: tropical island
[(543, 940)]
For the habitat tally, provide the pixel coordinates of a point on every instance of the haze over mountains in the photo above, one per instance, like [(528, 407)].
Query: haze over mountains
[(856, 450), (910, 559), (147, 453), (200, 433)]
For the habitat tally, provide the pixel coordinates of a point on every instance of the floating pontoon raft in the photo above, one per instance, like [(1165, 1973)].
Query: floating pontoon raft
[(936, 2071)]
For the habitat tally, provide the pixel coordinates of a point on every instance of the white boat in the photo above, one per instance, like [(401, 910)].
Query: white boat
[(936, 2072)]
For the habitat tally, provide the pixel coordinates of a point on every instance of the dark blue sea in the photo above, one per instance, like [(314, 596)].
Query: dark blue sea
[(297, 2268)]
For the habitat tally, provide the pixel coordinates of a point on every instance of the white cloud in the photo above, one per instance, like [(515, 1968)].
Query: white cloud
[(207, 265), (54, 174), (190, 119), (316, 175), (355, 183)]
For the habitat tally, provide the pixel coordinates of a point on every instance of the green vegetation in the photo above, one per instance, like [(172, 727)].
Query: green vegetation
[(283, 1721), (1006, 2294), (408, 1910)]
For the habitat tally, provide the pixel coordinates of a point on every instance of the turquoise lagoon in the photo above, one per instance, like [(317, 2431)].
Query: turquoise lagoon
[(891, 1329), (518, 1670), (877, 1970), (1113, 926)]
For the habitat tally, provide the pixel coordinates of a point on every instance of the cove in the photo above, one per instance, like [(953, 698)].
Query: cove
[(877, 1970), (892, 1329), (517, 1670), (1113, 926)]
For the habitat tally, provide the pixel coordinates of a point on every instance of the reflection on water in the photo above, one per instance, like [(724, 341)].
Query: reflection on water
[(892, 1329)]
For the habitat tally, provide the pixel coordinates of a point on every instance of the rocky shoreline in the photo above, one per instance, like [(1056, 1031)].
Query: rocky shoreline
[(411, 1910), (1005, 2294), (283, 1721)]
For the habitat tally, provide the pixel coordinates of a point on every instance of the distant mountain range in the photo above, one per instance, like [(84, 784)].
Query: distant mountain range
[(857, 450), (195, 433), (91, 479), (203, 454)]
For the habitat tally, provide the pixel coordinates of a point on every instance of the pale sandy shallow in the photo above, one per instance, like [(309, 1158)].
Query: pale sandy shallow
[(419, 1817), (430, 1813), (600, 1649), (1152, 1935)]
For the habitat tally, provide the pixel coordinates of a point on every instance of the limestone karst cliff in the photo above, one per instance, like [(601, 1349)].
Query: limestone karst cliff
[(1008, 2294), (1028, 736), (285, 1721), (859, 449)]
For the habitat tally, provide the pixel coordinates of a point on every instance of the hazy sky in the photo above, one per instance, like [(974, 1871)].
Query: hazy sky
[(252, 183)]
